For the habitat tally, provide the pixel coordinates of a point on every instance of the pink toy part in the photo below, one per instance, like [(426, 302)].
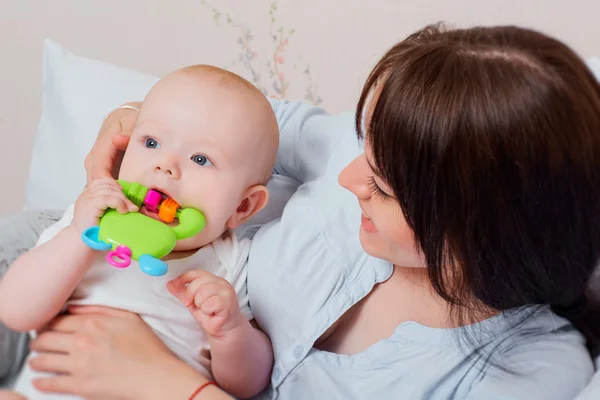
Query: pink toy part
[(152, 200), (120, 257)]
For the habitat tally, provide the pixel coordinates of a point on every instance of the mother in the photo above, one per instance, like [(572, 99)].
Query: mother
[(480, 194)]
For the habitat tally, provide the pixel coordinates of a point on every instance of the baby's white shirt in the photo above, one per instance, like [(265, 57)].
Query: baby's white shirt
[(132, 290)]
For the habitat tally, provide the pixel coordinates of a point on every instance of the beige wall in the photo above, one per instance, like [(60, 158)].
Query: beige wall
[(339, 40)]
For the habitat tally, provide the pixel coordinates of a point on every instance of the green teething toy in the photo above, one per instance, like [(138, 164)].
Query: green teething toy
[(137, 236)]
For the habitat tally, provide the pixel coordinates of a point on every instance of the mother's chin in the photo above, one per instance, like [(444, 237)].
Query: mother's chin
[(380, 248)]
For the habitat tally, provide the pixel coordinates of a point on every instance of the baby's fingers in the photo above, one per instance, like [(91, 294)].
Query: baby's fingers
[(129, 205), (177, 289), (209, 291), (126, 204), (192, 290), (106, 191), (214, 304), (117, 202), (185, 286), (110, 186), (103, 183), (197, 274), (123, 204)]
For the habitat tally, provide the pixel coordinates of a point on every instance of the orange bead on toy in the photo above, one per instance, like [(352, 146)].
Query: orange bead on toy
[(168, 210)]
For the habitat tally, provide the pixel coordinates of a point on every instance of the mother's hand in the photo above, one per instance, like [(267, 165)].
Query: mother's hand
[(104, 159), (102, 353)]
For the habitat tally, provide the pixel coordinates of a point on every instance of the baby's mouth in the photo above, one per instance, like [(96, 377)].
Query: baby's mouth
[(154, 215), (152, 210), (163, 194), (149, 213)]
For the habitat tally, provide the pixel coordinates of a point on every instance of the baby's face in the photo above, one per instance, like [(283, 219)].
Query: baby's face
[(197, 143)]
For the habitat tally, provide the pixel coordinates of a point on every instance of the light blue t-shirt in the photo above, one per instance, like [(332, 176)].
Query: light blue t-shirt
[(307, 268)]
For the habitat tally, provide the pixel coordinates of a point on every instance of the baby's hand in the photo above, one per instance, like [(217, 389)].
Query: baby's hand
[(210, 299), (96, 198)]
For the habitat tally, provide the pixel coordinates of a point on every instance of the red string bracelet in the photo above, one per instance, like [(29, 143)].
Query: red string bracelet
[(197, 391)]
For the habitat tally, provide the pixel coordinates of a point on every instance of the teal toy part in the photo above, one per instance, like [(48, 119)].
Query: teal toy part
[(90, 237), (152, 266)]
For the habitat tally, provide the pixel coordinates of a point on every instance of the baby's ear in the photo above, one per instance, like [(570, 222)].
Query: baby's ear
[(254, 200)]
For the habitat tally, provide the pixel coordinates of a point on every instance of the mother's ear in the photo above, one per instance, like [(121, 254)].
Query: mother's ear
[(255, 199)]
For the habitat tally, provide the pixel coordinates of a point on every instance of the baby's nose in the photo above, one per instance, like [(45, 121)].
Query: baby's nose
[(168, 167), (158, 168)]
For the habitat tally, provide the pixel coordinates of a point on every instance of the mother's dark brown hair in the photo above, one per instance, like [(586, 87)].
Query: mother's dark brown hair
[(490, 140)]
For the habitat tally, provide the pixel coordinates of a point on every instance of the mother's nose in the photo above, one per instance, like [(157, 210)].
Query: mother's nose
[(355, 177)]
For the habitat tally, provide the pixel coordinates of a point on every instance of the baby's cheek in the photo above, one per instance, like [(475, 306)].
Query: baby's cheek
[(217, 207)]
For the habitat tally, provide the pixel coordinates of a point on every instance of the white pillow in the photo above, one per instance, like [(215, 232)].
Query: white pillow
[(78, 93), (594, 64)]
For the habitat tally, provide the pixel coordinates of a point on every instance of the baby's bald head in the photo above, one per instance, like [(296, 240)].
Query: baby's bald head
[(209, 139), (263, 135), (250, 130)]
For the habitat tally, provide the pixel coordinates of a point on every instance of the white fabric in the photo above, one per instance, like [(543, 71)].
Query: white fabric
[(78, 93), (592, 390), (132, 290), (594, 64)]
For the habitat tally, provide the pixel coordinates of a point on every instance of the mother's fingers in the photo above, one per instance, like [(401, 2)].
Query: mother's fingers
[(8, 395), (66, 323), (54, 342), (121, 141), (48, 362), (56, 384), (111, 312)]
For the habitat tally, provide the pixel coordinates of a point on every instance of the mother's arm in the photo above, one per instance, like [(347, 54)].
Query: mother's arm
[(109, 354), (308, 137)]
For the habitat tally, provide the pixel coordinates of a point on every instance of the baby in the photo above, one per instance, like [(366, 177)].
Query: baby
[(206, 138)]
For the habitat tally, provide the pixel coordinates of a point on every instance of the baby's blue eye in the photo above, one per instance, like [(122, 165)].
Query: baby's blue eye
[(152, 143), (201, 160)]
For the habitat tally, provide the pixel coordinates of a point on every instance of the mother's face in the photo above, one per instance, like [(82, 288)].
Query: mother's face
[(383, 231)]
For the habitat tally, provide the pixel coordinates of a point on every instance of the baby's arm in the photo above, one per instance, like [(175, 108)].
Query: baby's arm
[(242, 360), (241, 355), (39, 283), (37, 286)]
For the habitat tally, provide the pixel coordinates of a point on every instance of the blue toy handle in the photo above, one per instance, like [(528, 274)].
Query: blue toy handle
[(90, 237)]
